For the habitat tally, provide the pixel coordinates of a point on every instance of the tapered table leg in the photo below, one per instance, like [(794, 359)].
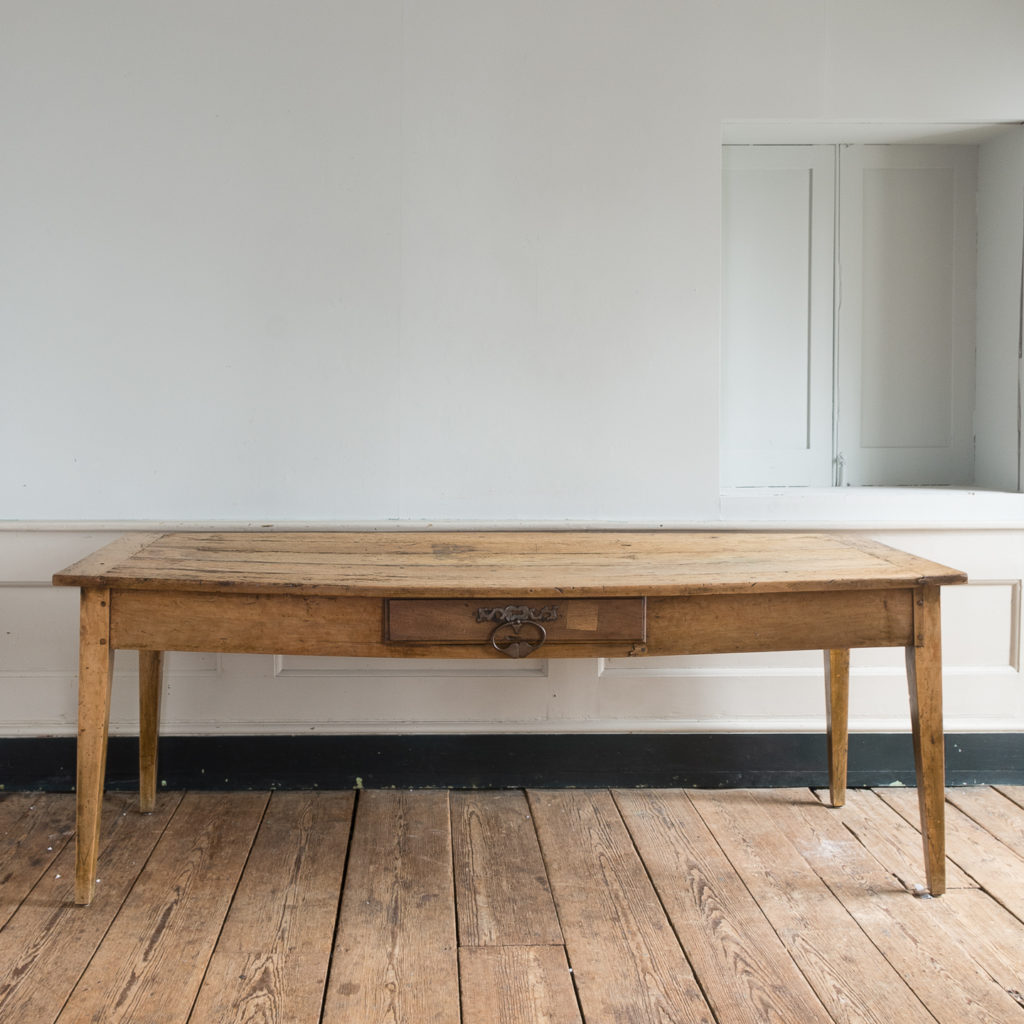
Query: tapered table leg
[(95, 672), (837, 714), (924, 678), (151, 665)]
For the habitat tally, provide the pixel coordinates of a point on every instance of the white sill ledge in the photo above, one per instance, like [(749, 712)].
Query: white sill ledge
[(739, 508), (872, 508)]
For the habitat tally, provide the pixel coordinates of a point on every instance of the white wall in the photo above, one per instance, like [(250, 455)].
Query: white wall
[(1000, 230), (320, 260), (340, 260)]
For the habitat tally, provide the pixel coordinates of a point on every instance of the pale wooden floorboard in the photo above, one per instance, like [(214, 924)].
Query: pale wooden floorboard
[(273, 954), (155, 954), (994, 937), (34, 828), (998, 869), (848, 973), (892, 840), (501, 888), (395, 956), (742, 964), (516, 985), (627, 964), (48, 943), (564, 907), (994, 812), (934, 963), (1014, 793)]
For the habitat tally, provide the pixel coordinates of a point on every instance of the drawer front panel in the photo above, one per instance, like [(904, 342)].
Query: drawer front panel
[(572, 620)]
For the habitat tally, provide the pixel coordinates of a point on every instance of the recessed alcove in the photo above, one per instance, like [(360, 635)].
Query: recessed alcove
[(871, 322)]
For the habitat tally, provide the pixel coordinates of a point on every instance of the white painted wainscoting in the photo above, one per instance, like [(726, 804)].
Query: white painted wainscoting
[(256, 694)]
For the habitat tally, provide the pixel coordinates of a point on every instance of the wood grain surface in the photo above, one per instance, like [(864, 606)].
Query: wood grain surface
[(521, 563), (893, 842), (728, 940), (34, 829), (395, 957), (177, 908), (501, 886), (785, 910), (48, 930), (627, 963), (516, 985), (274, 951), (852, 978), (996, 868), (948, 981)]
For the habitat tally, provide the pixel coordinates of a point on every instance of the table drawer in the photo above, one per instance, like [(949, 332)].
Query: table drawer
[(572, 620)]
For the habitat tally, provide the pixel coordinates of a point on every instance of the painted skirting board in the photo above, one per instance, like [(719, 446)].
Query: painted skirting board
[(689, 760)]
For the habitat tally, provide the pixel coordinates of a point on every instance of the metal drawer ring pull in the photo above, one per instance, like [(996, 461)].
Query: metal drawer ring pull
[(507, 637)]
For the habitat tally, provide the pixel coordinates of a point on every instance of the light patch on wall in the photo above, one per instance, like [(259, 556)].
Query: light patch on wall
[(982, 623), (288, 666), (38, 630), (177, 663)]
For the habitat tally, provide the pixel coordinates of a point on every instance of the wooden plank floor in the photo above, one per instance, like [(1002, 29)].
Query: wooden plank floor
[(550, 907)]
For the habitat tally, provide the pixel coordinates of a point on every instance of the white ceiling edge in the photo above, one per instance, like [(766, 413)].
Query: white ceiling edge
[(805, 133)]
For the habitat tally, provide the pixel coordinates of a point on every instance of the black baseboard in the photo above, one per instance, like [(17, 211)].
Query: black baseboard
[(500, 761)]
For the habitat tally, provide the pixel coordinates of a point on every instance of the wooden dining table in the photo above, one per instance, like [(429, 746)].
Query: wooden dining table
[(505, 594)]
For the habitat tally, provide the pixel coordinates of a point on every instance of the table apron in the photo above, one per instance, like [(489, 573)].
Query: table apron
[(788, 621), (355, 626)]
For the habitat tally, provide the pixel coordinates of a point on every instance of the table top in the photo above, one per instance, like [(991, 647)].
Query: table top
[(580, 563)]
